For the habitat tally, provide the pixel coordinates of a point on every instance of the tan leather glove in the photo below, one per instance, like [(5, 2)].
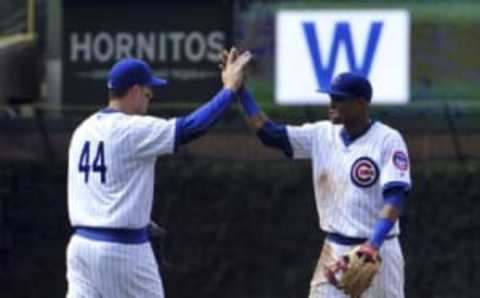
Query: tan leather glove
[(354, 272)]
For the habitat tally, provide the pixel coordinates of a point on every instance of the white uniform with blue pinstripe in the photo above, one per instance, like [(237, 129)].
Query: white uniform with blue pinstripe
[(110, 186), (349, 183)]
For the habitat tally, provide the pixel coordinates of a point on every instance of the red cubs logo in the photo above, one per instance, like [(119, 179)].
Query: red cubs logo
[(364, 172)]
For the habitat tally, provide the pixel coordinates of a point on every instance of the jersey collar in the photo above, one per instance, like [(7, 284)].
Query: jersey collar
[(349, 139), (109, 110)]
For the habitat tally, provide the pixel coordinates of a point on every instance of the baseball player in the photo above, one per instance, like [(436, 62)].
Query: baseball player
[(361, 177), (112, 158)]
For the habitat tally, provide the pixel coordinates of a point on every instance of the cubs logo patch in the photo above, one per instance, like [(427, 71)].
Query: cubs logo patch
[(400, 160), (364, 172)]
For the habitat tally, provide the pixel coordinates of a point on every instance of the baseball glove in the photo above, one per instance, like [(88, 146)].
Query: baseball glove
[(354, 272)]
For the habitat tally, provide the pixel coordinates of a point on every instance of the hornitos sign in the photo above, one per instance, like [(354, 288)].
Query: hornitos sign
[(182, 40)]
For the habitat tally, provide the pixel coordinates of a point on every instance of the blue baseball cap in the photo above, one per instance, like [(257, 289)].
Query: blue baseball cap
[(349, 85), (128, 72)]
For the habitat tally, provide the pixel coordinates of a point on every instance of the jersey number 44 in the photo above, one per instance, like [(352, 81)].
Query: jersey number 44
[(98, 164)]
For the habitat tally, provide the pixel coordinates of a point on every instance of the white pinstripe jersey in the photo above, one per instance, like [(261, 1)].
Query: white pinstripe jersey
[(349, 180), (111, 167)]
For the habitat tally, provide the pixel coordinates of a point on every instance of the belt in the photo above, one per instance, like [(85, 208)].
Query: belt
[(125, 236), (345, 240)]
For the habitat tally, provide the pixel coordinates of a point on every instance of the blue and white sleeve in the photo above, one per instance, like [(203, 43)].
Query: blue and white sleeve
[(301, 139), (151, 136), (270, 133), (395, 170)]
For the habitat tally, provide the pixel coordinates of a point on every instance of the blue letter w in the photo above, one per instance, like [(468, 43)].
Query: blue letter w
[(342, 33)]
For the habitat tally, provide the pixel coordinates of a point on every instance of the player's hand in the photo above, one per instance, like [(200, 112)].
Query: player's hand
[(234, 68), (354, 272), (223, 59)]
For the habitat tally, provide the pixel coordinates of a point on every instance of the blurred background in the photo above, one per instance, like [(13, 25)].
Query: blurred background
[(240, 219)]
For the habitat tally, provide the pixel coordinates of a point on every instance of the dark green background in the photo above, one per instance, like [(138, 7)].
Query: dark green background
[(241, 229)]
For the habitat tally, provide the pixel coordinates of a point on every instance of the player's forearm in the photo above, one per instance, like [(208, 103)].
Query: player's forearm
[(275, 136), (271, 134), (256, 118), (199, 121), (389, 215)]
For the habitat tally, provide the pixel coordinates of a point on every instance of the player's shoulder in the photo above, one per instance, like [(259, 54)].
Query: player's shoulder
[(386, 132), (143, 125), (104, 119), (146, 121), (310, 128), (84, 124), (123, 120), (320, 125), (120, 123), (324, 124)]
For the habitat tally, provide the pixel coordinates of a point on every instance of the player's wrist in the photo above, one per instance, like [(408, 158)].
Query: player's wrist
[(229, 92), (257, 121), (229, 88), (248, 103), (380, 232), (369, 249)]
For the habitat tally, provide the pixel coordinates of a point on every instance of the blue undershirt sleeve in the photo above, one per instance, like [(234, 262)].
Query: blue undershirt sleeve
[(275, 135), (194, 125), (380, 231), (271, 134), (394, 196), (248, 103)]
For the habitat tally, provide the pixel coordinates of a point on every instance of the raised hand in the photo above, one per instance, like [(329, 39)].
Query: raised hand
[(234, 68)]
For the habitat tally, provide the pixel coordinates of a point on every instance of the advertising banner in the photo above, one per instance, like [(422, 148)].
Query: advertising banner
[(181, 40), (312, 47)]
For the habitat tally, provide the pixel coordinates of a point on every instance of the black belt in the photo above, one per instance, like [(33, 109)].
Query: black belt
[(345, 240)]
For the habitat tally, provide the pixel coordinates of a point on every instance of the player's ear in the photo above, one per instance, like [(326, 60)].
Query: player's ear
[(362, 103), (135, 90)]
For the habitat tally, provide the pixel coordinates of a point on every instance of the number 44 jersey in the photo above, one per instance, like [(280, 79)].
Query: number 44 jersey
[(111, 166)]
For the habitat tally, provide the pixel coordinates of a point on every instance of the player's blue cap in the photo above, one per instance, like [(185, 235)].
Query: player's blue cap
[(129, 71), (349, 85)]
